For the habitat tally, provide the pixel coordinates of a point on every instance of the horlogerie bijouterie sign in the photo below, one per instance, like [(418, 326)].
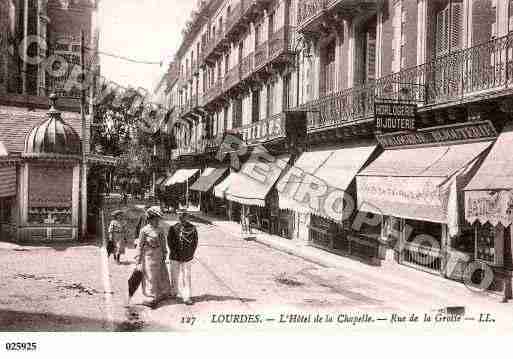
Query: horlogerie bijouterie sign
[(470, 131), (395, 115)]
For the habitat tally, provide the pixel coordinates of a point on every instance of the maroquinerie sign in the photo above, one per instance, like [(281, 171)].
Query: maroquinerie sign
[(395, 115), (452, 133)]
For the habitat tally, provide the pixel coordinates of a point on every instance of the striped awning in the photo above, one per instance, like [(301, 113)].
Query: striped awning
[(333, 170), (8, 180), (181, 176)]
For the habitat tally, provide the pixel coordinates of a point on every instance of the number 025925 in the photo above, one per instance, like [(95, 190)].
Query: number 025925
[(20, 346)]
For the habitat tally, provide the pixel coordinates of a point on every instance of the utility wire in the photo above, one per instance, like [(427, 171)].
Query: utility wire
[(125, 58)]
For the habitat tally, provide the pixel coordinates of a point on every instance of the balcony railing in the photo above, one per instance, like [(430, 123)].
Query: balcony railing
[(278, 43), (231, 78), (308, 9), (265, 130), (246, 66), (485, 69), (235, 16), (213, 92), (261, 55)]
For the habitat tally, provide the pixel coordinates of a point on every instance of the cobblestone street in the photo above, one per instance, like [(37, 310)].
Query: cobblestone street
[(63, 288)]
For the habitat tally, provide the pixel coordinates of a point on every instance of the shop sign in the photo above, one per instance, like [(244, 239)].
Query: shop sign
[(473, 131), (395, 115), (50, 186), (489, 206)]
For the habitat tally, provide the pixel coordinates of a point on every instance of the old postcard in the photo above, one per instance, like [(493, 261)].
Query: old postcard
[(234, 166)]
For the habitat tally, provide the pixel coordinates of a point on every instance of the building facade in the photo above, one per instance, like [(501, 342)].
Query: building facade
[(43, 186), (397, 103)]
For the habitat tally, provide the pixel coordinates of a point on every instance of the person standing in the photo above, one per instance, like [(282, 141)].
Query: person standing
[(151, 259), (117, 234), (182, 241)]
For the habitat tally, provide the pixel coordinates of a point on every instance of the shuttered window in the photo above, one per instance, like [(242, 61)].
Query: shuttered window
[(7, 181), (371, 54), (449, 28), (510, 25), (396, 39)]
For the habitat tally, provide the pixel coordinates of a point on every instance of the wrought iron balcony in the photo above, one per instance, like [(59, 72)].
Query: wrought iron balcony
[(246, 66), (261, 53), (231, 78), (214, 44), (213, 92), (460, 77), (309, 11), (280, 42)]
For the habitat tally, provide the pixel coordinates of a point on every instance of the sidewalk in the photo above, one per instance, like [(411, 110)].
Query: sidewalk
[(450, 292)]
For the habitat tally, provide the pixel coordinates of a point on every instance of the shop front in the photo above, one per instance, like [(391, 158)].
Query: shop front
[(489, 209), (319, 190), (177, 188), (415, 190), (250, 194), (204, 186)]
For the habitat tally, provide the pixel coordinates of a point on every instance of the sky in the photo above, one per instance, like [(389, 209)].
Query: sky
[(143, 30)]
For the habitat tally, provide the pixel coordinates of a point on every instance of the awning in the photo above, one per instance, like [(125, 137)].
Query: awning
[(160, 180), (222, 187), (331, 171), (257, 176), (181, 176), (208, 179), (489, 194), (419, 183)]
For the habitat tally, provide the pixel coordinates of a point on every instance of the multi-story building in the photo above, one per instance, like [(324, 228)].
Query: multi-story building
[(43, 181), (406, 102)]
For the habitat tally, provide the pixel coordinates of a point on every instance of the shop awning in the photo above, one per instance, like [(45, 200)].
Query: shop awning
[(253, 182), (159, 181), (222, 187), (332, 169), (181, 176), (208, 179), (489, 194), (419, 183)]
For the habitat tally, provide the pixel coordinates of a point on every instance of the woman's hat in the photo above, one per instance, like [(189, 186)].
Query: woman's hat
[(154, 212), (117, 213)]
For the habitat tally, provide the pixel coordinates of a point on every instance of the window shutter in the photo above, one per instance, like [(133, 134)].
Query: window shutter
[(510, 16), (456, 25), (371, 55)]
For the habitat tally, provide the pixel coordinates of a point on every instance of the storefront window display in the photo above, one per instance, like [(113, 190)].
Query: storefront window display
[(49, 216), (488, 242)]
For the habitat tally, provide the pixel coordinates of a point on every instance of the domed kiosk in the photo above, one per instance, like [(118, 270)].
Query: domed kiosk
[(50, 180)]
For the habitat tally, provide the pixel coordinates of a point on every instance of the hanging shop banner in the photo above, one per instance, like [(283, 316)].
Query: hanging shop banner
[(470, 131), (395, 115), (50, 186), (489, 206)]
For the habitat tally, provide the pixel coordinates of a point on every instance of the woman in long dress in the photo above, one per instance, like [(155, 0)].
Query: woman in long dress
[(151, 260), (117, 234)]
